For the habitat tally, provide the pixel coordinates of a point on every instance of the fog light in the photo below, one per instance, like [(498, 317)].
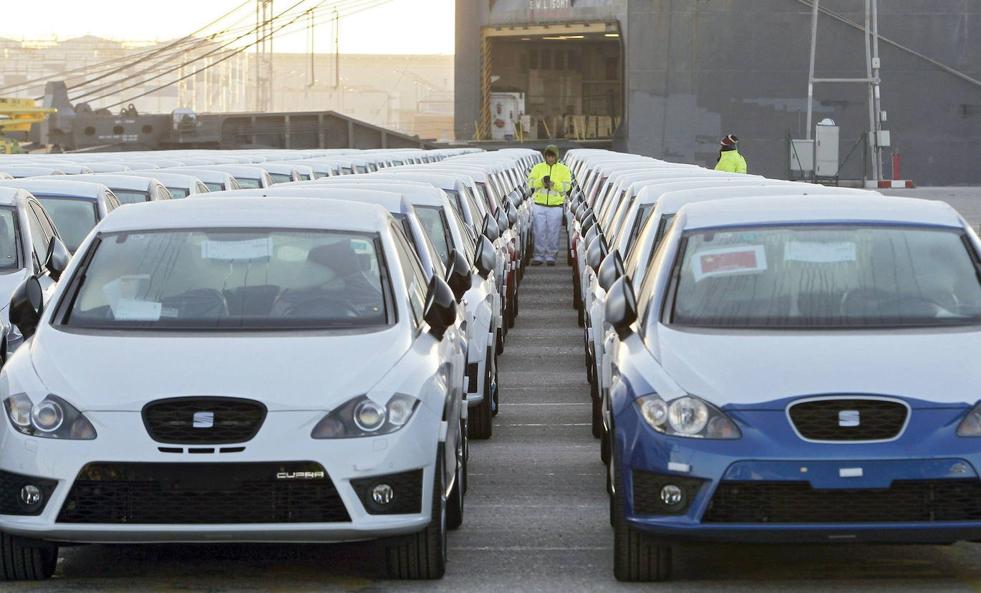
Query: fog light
[(30, 495), (672, 496), (382, 494)]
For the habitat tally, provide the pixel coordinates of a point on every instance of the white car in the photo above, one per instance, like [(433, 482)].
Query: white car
[(285, 381)]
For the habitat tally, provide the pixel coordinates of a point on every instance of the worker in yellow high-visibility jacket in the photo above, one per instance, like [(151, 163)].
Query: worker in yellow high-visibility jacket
[(730, 160), (551, 181)]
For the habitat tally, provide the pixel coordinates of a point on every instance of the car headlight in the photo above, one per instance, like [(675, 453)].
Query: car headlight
[(51, 418), (687, 416), (363, 417), (970, 426)]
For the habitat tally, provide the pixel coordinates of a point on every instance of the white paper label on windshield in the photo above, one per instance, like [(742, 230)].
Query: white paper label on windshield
[(134, 310), (729, 261), (247, 250), (819, 253)]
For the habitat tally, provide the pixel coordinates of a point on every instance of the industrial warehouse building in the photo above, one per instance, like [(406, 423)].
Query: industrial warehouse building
[(669, 78)]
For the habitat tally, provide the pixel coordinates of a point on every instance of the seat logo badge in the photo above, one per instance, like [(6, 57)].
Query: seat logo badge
[(849, 418), (300, 476), (204, 419)]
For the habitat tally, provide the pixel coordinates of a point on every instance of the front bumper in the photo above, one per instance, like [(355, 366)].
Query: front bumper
[(772, 486), (284, 438)]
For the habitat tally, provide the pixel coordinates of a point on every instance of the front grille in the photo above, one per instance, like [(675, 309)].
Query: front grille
[(220, 420), (203, 493), (834, 419), (10, 499), (798, 502)]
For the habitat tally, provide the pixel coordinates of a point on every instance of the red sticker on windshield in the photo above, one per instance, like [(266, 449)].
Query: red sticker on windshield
[(729, 261)]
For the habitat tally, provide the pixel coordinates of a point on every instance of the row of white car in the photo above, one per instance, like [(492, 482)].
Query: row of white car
[(275, 359), (775, 362)]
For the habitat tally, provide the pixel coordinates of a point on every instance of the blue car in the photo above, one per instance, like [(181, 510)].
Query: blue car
[(797, 369)]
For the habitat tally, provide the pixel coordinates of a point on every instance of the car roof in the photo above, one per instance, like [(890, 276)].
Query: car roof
[(67, 187), (166, 177), (391, 201), (232, 212), (673, 200), (416, 192), (10, 196), (120, 181), (823, 208)]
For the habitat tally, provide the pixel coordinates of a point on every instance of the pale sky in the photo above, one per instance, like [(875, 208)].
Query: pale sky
[(399, 26)]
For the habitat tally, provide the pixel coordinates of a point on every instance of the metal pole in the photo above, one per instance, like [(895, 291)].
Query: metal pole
[(310, 44), (337, 50), (873, 141), (810, 79), (876, 65)]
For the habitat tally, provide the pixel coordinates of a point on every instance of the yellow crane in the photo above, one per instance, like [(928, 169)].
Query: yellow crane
[(18, 115)]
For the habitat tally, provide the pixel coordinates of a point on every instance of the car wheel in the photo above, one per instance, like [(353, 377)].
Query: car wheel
[(597, 410), (605, 437), (23, 559), (422, 555), (496, 383), (636, 557), (500, 341), (454, 502), (479, 417), (580, 317)]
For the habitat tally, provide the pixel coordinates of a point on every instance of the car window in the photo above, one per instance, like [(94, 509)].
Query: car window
[(415, 278), (179, 192), (39, 240), (826, 277), (111, 202), (280, 177), (213, 186), (214, 279), (434, 222), (131, 196), (248, 183), (74, 217), (9, 234)]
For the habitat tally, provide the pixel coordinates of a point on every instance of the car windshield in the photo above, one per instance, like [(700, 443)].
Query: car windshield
[(131, 196), (8, 240), (74, 217), (827, 277), (248, 183), (231, 279)]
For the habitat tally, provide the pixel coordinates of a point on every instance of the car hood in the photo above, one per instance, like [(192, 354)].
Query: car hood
[(743, 368), (121, 372)]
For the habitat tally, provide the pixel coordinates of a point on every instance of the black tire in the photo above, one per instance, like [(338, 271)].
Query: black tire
[(455, 500), (497, 390), (605, 437), (23, 559), (636, 558), (499, 346), (580, 317), (422, 555), (479, 418), (597, 411)]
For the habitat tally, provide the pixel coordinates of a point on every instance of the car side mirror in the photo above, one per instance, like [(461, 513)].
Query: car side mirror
[(458, 274), (27, 306), (491, 230), (621, 306), (57, 258), (587, 223), (503, 221), (486, 257), (611, 270), (440, 309), (596, 251), (512, 213)]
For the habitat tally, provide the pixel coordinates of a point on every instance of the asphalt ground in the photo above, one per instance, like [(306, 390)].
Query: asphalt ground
[(536, 513)]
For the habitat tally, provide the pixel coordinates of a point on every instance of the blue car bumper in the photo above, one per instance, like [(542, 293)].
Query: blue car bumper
[(773, 486)]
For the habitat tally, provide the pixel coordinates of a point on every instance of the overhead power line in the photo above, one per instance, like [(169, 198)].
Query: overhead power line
[(353, 7)]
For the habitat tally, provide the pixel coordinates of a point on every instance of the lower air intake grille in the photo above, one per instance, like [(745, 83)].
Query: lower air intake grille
[(798, 502), (203, 493)]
